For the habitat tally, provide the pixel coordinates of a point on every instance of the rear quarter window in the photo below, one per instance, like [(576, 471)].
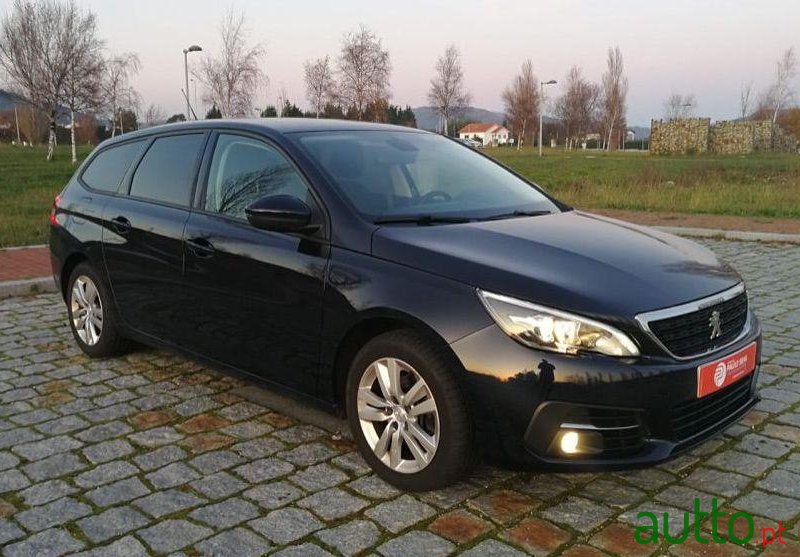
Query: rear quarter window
[(166, 170), (106, 170)]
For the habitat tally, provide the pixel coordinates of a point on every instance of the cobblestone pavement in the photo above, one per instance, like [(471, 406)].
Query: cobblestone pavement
[(152, 454)]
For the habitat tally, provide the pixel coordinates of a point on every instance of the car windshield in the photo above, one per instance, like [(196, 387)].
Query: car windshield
[(396, 176)]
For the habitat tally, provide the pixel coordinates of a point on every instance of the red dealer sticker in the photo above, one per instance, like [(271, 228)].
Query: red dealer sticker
[(720, 373)]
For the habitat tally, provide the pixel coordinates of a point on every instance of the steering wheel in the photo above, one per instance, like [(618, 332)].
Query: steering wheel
[(432, 195)]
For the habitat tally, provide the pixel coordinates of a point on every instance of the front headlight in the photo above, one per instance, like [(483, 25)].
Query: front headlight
[(551, 329)]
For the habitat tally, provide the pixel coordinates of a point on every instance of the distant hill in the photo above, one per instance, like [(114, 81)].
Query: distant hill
[(8, 99)]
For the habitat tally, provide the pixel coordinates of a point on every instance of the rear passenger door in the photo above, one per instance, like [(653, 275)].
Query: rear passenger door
[(143, 238)]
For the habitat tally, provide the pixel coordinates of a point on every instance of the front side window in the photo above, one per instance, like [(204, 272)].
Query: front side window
[(106, 170), (245, 169), (167, 169), (388, 174)]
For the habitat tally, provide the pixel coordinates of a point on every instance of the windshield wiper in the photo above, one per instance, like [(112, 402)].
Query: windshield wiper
[(422, 220), (516, 214)]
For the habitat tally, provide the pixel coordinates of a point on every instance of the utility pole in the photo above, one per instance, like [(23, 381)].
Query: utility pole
[(186, 51), (541, 106), (16, 118)]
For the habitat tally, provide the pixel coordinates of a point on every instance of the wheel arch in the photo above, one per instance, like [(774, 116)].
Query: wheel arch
[(69, 265), (370, 325)]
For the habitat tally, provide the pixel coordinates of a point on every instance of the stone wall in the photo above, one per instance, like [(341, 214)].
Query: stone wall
[(697, 135)]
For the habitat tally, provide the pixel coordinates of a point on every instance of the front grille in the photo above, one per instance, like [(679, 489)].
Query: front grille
[(621, 429), (689, 334), (695, 416)]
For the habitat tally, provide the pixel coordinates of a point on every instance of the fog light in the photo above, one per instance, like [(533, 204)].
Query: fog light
[(569, 442)]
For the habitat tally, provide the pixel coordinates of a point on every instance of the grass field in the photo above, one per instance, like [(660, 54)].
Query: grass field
[(756, 185), (763, 185)]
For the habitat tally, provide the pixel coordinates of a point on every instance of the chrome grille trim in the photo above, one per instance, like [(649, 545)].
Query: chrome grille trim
[(644, 319)]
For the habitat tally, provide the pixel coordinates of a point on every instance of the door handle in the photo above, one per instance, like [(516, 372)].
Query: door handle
[(200, 247), (121, 225)]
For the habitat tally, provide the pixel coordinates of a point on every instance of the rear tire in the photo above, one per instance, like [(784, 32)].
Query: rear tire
[(92, 318), (407, 412)]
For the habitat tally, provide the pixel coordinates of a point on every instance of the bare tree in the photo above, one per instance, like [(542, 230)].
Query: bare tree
[(679, 106), (233, 78), (319, 83), (614, 95), (82, 88), (364, 69), (745, 99), (780, 94), (39, 42), (447, 93), (521, 100), (577, 106), (154, 115), (118, 92), (33, 123)]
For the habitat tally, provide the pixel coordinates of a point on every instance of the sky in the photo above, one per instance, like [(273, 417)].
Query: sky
[(703, 47)]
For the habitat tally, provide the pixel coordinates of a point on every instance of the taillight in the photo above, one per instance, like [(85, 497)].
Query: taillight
[(53, 219)]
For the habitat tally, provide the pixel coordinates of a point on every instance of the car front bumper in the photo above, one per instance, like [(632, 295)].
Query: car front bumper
[(629, 412)]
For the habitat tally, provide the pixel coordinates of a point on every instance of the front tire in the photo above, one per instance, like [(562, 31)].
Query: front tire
[(92, 318), (407, 412)]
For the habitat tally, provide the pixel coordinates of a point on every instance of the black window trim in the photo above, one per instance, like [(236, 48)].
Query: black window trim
[(128, 181), (198, 205), (88, 162)]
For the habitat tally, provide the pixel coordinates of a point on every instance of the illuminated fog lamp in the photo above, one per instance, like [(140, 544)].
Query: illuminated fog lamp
[(569, 442)]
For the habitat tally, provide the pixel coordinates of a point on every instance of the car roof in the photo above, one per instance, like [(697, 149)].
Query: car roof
[(275, 125)]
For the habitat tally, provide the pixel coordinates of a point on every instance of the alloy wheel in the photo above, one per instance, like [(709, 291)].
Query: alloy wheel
[(398, 415), (87, 310)]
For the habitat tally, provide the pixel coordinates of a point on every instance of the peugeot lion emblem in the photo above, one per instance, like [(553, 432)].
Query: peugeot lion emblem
[(713, 322)]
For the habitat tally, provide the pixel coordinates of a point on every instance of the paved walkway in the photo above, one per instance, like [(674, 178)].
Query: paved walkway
[(24, 263), (153, 454)]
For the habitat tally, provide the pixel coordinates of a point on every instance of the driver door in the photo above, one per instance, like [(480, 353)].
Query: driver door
[(256, 295)]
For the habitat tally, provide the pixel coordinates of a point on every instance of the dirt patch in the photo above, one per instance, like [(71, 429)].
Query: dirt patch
[(722, 222)]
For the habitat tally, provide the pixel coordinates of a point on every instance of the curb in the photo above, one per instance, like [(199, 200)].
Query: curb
[(27, 287), (738, 235)]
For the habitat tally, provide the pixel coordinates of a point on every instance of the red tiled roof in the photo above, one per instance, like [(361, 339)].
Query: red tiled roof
[(477, 127)]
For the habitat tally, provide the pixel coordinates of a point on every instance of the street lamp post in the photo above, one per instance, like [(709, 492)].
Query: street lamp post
[(541, 106), (186, 51)]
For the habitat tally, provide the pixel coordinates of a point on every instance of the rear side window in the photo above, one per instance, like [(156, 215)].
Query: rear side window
[(165, 173), (106, 170)]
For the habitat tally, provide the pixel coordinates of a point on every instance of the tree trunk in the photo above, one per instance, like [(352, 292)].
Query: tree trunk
[(72, 136), (51, 139)]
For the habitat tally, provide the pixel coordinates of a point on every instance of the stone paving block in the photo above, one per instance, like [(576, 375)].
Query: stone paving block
[(332, 504), (159, 457), (118, 492), (741, 463), (578, 513), (13, 480), (156, 437), (769, 505), (102, 432), (44, 492), (303, 550), (105, 473), (123, 547), (492, 548), (52, 514), (171, 535), (226, 514), (219, 485), (238, 542), (274, 494), (283, 526), (38, 450), (258, 448), (107, 450), (318, 477), (9, 532), (352, 537), (264, 469), (214, 461), (50, 543), (53, 467), (163, 503), (171, 475), (112, 523), (416, 543), (400, 513), (65, 424), (308, 454)]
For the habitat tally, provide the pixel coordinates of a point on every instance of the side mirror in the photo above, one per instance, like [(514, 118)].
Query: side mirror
[(280, 213)]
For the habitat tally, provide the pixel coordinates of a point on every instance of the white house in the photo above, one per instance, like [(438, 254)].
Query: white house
[(486, 133)]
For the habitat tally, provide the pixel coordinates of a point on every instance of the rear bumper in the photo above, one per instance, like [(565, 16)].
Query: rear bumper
[(629, 413)]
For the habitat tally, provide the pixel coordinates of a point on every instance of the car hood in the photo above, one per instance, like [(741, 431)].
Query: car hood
[(575, 261)]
